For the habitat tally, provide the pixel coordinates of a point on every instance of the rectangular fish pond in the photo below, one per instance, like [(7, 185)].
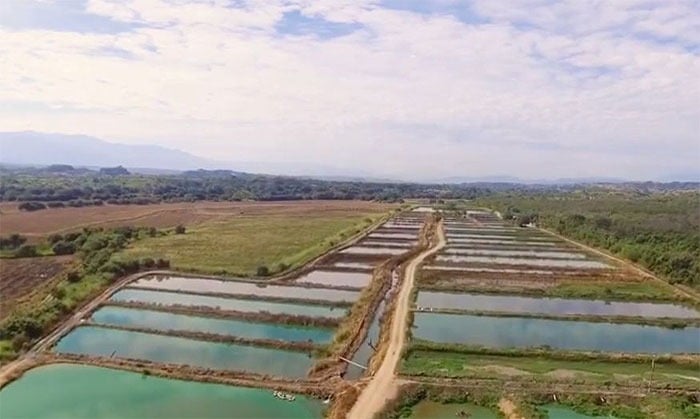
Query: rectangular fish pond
[(248, 306), (383, 243), (391, 236), (88, 392), (554, 263), (174, 283), (338, 279), (97, 341), (360, 250), (523, 253), (515, 332), (505, 237), (158, 320), (504, 242), (561, 306)]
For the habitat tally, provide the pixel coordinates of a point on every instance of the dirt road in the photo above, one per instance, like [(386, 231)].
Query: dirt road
[(382, 387)]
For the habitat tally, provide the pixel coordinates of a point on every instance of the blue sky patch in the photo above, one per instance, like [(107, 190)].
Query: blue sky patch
[(61, 15), (460, 10), (296, 23)]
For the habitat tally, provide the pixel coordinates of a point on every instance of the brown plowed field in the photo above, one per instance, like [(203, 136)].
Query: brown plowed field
[(60, 220), (19, 277)]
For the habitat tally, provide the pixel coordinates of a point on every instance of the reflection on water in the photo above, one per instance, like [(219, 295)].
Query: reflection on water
[(87, 392), (359, 250), (175, 283), (527, 253), (91, 340), (506, 332), (168, 321), (348, 279), (511, 304), (247, 306), (554, 263)]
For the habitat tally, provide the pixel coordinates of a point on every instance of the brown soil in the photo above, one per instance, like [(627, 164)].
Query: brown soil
[(19, 278), (508, 409), (60, 220)]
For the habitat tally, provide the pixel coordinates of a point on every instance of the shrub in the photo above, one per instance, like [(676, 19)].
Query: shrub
[(12, 241), (263, 271), (73, 277), (180, 229), (162, 264), (31, 206), (54, 238), (63, 248), (148, 263), (26, 251)]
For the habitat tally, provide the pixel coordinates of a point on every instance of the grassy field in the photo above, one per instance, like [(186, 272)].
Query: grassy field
[(241, 245), (454, 365)]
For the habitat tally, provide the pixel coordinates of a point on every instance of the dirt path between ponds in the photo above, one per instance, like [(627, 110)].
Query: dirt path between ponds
[(508, 409), (383, 386)]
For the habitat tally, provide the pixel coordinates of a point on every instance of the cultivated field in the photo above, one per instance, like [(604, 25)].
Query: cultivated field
[(61, 220), (20, 277)]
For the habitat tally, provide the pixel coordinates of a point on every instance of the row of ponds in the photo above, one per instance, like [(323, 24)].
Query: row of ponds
[(508, 321), (140, 322)]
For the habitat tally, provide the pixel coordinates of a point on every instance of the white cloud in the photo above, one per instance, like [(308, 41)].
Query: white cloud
[(537, 89)]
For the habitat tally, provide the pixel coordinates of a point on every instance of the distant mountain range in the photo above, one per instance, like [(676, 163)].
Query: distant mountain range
[(41, 149), (31, 148)]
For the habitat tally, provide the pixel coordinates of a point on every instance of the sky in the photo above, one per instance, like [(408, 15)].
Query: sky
[(411, 89)]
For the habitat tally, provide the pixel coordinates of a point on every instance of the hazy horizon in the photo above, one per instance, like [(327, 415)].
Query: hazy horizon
[(391, 89)]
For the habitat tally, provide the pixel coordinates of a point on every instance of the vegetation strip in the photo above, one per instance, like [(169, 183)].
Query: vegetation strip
[(680, 359), (512, 368)]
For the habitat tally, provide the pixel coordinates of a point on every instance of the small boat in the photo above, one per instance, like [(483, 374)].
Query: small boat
[(284, 396)]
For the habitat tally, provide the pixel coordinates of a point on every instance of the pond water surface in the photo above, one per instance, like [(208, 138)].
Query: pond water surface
[(514, 332), (247, 306), (97, 341), (505, 243), (359, 250), (354, 265), (524, 253), (331, 278), (513, 304), (554, 263), (392, 236), (159, 320), (382, 243), (175, 283), (502, 270), (81, 391)]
